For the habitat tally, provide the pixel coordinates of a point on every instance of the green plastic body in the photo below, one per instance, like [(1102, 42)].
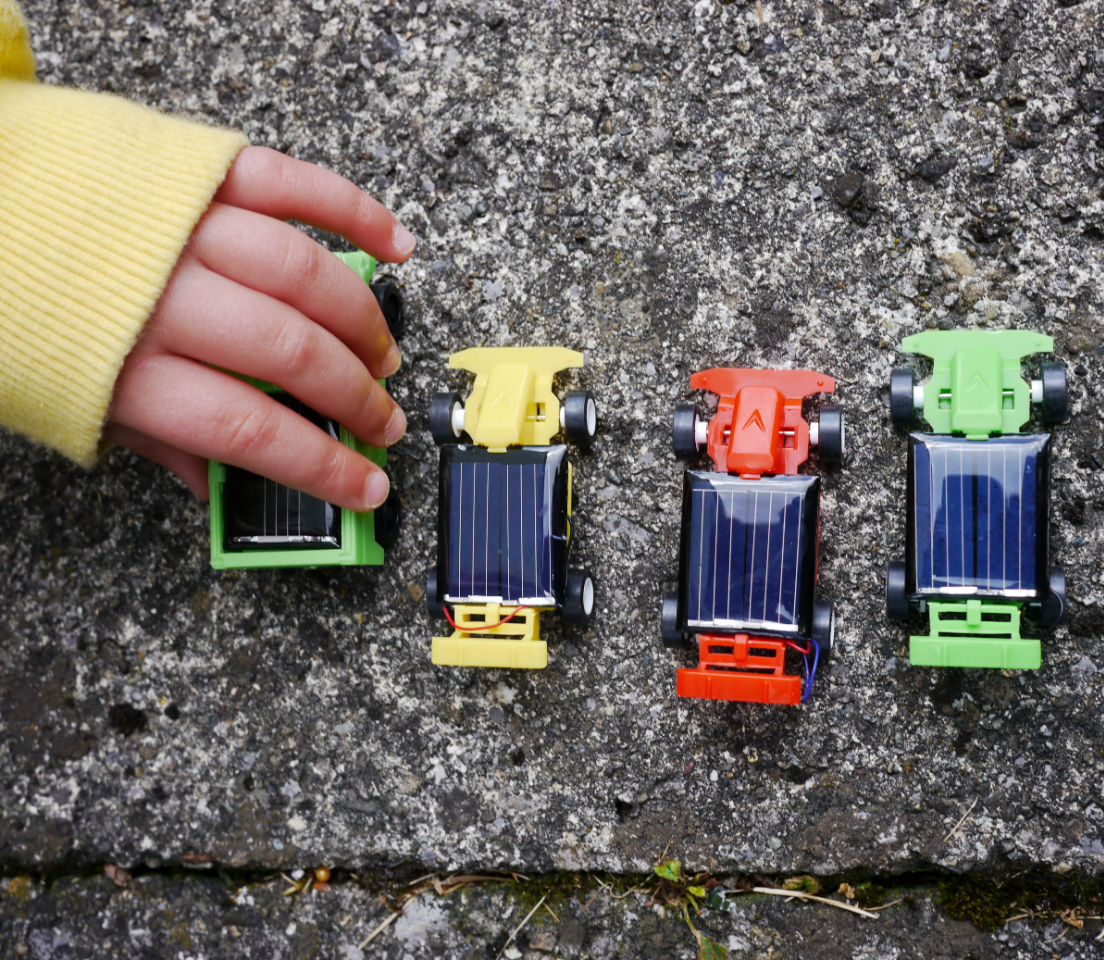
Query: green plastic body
[(974, 633), (976, 387), (358, 538)]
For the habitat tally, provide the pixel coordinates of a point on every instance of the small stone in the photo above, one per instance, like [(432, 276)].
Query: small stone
[(848, 188), (1085, 666), (934, 169), (775, 843), (416, 591)]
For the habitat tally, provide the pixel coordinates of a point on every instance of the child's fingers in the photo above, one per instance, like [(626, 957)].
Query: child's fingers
[(276, 259), (207, 317), (265, 181), (190, 468), (211, 414)]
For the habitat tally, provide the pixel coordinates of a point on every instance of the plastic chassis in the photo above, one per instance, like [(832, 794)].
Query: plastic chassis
[(511, 404), (359, 546), (976, 390), (758, 429)]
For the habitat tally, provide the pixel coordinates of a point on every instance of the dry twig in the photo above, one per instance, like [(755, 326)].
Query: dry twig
[(771, 891), (375, 933), (892, 903), (517, 929), (954, 829)]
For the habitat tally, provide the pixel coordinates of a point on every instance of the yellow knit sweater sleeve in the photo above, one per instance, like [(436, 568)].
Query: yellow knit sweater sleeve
[(98, 197)]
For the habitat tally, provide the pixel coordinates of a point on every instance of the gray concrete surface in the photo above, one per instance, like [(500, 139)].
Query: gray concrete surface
[(200, 917), (666, 190)]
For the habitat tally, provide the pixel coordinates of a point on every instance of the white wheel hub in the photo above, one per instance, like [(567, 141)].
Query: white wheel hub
[(1036, 391), (588, 596), (701, 431), (456, 417), (814, 434), (918, 398), (591, 418)]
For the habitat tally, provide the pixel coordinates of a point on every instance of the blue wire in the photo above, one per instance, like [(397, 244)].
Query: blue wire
[(811, 674)]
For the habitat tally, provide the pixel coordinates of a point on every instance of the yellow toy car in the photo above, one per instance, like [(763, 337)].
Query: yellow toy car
[(504, 514)]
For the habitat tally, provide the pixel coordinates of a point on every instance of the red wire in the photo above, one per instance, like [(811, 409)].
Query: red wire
[(483, 626), (793, 643)]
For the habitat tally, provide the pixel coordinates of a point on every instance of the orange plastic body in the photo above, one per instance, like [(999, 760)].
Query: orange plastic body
[(758, 427), (743, 668)]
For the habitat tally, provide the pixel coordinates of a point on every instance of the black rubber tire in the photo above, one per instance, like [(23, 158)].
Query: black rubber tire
[(440, 418), (830, 444), (390, 301), (901, 408), (434, 604), (897, 602), (576, 610), (388, 520), (824, 627), (580, 417), (673, 637), (1052, 611), (683, 431), (1055, 393)]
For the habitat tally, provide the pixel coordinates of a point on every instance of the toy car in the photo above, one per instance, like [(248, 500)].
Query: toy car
[(748, 555), (504, 529), (256, 522), (978, 499)]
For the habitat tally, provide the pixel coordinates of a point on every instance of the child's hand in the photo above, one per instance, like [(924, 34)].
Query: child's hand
[(255, 295)]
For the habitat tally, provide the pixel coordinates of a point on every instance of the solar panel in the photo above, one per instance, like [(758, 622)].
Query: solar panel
[(978, 515), (503, 525), (261, 513), (748, 558)]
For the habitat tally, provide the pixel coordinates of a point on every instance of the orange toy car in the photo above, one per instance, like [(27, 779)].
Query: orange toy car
[(750, 531)]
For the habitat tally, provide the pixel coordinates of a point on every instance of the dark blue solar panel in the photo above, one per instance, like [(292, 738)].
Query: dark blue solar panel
[(263, 514), (500, 537), (979, 514), (746, 551)]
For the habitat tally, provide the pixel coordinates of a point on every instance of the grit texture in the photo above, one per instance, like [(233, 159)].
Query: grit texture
[(665, 190)]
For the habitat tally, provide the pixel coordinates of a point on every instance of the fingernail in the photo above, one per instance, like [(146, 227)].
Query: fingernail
[(403, 240), (392, 361), (395, 428), (376, 489)]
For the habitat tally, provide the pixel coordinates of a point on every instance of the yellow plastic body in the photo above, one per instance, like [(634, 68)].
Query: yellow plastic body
[(512, 402), (514, 645)]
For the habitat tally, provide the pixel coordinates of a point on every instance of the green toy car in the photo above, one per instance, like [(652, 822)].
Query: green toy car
[(978, 499), (256, 522)]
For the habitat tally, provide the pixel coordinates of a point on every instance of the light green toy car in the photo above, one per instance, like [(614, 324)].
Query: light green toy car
[(978, 499)]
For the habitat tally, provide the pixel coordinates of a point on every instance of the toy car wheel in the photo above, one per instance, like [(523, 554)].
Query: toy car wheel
[(387, 520), (684, 431), (580, 417), (441, 418), (824, 628), (1052, 611), (897, 603), (1055, 393), (902, 406), (830, 442), (390, 302), (668, 624), (578, 608), (434, 603)]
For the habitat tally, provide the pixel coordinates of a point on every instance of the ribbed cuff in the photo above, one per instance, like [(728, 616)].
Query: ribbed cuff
[(98, 197)]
